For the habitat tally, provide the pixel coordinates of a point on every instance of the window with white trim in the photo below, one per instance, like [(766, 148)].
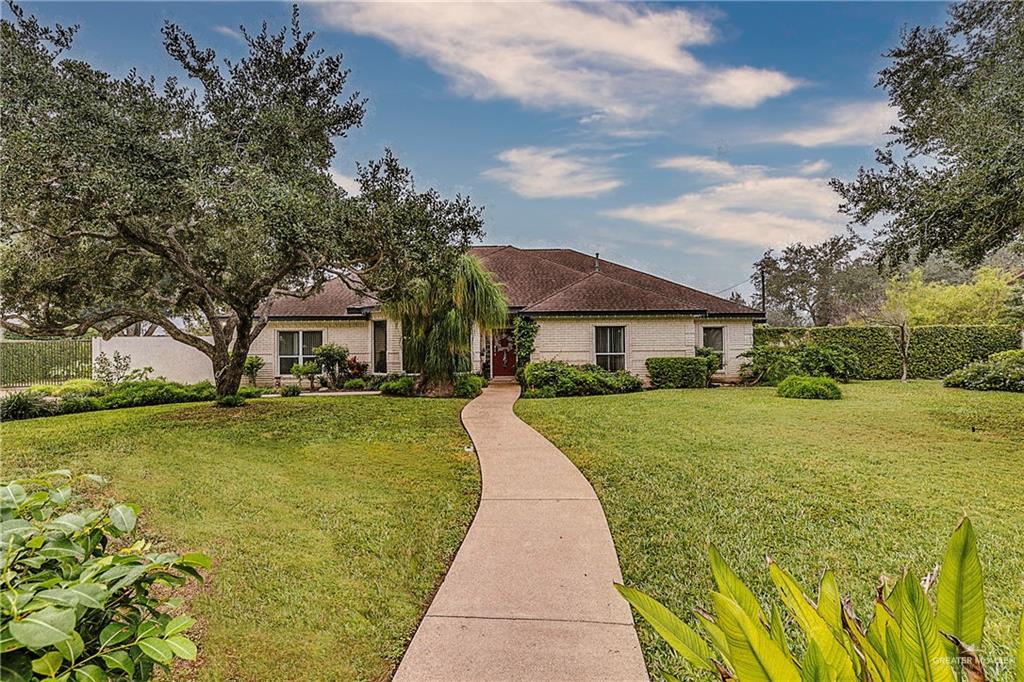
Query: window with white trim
[(714, 338), (610, 348), (295, 348)]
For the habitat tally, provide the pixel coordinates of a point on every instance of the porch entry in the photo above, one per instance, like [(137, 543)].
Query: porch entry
[(503, 354)]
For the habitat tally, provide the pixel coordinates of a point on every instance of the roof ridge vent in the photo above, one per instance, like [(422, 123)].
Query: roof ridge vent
[(597, 261)]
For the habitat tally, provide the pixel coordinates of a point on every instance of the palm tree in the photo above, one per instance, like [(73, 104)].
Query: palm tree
[(438, 316)]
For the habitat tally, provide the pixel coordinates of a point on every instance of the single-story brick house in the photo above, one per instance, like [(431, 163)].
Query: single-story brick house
[(588, 310)]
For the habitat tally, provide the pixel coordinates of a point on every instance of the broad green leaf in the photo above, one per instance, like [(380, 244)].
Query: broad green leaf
[(44, 628), (678, 634), (813, 666), (197, 559), (730, 585), (67, 523), (830, 605), (48, 664), (115, 633), (119, 660), (182, 647), (925, 654), (90, 595), (15, 528), (157, 649), (179, 624), (778, 629), (7, 643), (715, 634), (71, 648), (11, 495), (149, 628), (896, 658), (872, 658), (755, 657), (61, 597), (883, 621), (813, 625), (90, 673), (61, 496), (960, 599), (123, 517)]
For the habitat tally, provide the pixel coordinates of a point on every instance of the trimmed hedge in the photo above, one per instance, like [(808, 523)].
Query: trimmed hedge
[(809, 388), (468, 385), (935, 350), (1003, 371), (551, 379), (682, 372)]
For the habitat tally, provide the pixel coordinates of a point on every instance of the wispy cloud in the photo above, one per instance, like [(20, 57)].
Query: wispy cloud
[(346, 182), (619, 60), (847, 124), (708, 166), (750, 207), (813, 167), (552, 172), (229, 32)]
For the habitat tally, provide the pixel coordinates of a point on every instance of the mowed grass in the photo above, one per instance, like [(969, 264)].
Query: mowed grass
[(330, 521), (865, 485)]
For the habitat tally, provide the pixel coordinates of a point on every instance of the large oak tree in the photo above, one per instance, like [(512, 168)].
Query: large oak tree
[(193, 203)]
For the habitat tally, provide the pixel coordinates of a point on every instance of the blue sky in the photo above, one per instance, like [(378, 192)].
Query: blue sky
[(680, 139)]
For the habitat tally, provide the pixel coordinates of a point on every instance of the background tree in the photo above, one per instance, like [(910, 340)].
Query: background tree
[(949, 180), (195, 205), (438, 316), (983, 300)]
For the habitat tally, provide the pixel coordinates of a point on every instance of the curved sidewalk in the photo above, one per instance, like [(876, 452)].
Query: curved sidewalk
[(529, 595)]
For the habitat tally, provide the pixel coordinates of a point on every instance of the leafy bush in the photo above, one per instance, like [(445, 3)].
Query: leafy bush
[(77, 403), (82, 387), (250, 392), (290, 390), (43, 389), (813, 388), (713, 358), (80, 601), (375, 381), (682, 372), (251, 368), (306, 370), (1003, 371), (156, 392), (117, 369), (468, 385), (332, 360), (233, 400), (402, 386), (563, 379), (25, 405), (769, 365), (905, 638), (356, 384), (935, 350)]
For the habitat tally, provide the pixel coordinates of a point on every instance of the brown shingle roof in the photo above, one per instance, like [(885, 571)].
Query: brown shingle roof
[(547, 281)]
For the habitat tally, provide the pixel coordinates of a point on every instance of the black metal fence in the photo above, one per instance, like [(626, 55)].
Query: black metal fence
[(23, 363)]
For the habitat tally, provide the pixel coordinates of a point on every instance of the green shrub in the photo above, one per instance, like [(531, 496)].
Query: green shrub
[(564, 379), (251, 368), (904, 637), (43, 389), (1001, 372), (117, 369), (356, 384), (468, 385), (306, 370), (290, 390), (681, 372), (812, 388), (156, 392), (83, 387), (935, 350), (402, 386), (74, 404), (769, 365), (26, 405), (713, 358), (79, 600), (251, 392), (332, 360), (233, 400)]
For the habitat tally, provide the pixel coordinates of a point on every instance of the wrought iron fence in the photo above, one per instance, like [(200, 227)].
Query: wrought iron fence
[(23, 363)]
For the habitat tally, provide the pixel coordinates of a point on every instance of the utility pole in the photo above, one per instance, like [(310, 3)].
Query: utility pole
[(764, 310)]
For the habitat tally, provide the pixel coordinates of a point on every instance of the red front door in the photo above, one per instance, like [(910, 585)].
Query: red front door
[(503, 354)]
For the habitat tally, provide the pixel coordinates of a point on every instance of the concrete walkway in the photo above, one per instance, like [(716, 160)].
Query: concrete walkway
[(529, 595)]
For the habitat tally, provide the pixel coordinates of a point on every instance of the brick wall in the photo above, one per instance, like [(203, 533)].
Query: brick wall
[(355, 334)]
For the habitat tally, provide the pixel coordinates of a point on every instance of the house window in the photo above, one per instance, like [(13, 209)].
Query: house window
[(380, 346), (610, 347), (714, 338), (295, 348)]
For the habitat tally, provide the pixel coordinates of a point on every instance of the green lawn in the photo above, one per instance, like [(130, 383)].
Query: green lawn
[(330, 521), (864, 485)]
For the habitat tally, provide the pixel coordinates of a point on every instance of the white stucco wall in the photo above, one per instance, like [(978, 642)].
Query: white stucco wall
[(571, 339), (170, 359)]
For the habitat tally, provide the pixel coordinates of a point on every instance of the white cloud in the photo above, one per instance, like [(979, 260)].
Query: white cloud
[(230, 32), (346, 182), (538, 172), (707, 166), (848, 124), (760, 210), (813, 167), (614, 59)]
